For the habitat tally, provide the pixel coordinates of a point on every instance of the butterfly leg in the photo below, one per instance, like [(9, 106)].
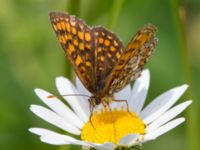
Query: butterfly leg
[(91, 113), (127, 106), (121, 101)]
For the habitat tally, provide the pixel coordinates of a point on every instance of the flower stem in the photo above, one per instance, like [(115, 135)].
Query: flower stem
[(116, 7), (179, 19)]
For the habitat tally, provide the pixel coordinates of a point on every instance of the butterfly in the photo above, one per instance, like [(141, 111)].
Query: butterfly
[(98, 57)]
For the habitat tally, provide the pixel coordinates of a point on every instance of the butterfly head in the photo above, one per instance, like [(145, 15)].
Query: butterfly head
[(94, 101)]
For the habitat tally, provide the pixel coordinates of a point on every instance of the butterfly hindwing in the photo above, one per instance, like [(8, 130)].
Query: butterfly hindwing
[(108, 49), (132, 60)]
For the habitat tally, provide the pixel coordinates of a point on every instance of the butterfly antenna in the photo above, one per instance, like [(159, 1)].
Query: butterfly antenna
[(60, 96), (90, 118)]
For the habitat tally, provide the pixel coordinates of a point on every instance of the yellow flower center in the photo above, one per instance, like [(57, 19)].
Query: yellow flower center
[(111, 126)]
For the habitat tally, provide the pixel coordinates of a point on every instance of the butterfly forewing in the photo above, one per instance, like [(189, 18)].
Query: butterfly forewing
[(132, 60), (93, 52), (77, 41)]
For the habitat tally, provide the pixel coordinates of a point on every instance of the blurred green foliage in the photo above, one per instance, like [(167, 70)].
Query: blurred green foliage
[(31, 57)]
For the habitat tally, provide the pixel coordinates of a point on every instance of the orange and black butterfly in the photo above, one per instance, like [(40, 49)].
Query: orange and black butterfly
[(98, 57)]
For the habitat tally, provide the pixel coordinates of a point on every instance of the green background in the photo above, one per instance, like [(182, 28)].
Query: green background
[(31, 57)]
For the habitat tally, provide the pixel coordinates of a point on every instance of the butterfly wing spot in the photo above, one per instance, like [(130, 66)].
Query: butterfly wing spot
[(55, 27), (66, 19), (109, 37), (74, 30), (78, 60), (103, 33), (115, 43), (88, 64), (102, 58), (81, 46), (62, 39), (101, 40), (59, 26), (72, 21), (96, 33), (62, 24), (101, 68), (68, 37), (75, 42), (99, 49), (118, 55), (80, 35), (112, 48), (109, 55), (107, 42), (87, 37), (71, 49), (67, 26), (88, 47)]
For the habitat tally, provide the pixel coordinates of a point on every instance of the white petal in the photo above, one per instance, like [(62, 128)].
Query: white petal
[(168, 116), (139, 92), (60, 108), (163, 129), (81, 87), (105, 146), (54, 119), (40, 131), (44, 132), (123, 95), (55, 138), (60, 139), (161, 104), (78, 104), (129, 140)]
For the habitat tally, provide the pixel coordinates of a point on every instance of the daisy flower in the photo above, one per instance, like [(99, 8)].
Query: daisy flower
[(106, 129)]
